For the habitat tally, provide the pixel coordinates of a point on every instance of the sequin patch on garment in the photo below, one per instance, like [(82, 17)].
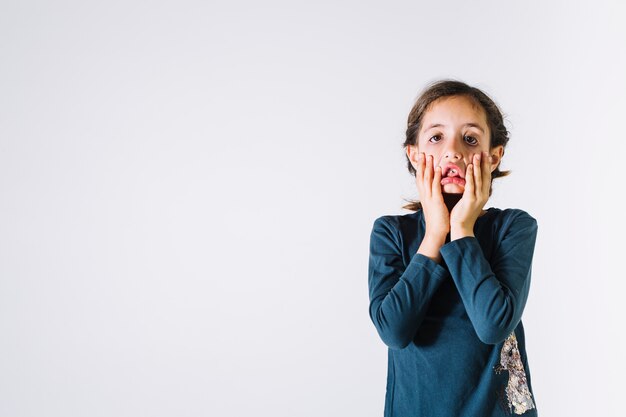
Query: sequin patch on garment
[(517, 392)]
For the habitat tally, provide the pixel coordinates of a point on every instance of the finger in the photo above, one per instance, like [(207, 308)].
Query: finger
[(436, 185), (469, 180), (428, 173), (419, 173), (419, 168), (478, 181), (487, 173)]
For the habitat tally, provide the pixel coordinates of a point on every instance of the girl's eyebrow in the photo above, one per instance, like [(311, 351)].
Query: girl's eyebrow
[(477, 126)]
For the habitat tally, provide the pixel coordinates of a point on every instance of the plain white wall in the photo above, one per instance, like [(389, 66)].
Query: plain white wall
[(187, 191)]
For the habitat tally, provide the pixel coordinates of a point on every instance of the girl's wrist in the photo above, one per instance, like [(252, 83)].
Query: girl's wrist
[(430, 246), (435, 237), (460, 231)]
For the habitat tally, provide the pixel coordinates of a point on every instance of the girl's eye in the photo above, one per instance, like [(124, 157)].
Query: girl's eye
[(471, 140), (435, 139)]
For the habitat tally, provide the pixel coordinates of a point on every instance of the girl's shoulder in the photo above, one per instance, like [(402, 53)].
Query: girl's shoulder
[(499, 218), (509, 216), (511, 224), (399, 221), (491, 212)]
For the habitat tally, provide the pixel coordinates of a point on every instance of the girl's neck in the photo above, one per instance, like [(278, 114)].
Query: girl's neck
[(451, 199)]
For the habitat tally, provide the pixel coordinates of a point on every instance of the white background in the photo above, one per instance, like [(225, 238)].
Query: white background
[(187, 191)]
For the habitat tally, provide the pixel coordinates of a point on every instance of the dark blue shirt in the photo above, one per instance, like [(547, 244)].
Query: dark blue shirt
[(454, 331)]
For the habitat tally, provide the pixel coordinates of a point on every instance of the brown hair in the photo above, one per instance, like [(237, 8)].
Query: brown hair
[(447, 88)]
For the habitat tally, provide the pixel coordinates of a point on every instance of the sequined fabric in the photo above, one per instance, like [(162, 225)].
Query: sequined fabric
[(517, 392)]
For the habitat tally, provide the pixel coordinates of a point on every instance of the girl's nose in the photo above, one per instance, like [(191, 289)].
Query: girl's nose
[(451, 154)]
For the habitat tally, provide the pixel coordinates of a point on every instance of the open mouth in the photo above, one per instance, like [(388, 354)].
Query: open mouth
[(452, 175), (453, 180)]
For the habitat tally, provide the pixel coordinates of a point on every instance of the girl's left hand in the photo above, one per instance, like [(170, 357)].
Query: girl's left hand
[(477, 183)]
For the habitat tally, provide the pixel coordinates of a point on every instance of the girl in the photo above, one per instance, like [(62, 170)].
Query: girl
[(448, 283)]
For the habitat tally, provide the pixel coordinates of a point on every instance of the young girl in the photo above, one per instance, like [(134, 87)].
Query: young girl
[(448, 283)]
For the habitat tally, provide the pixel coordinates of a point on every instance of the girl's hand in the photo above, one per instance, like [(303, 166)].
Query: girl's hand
[(475, 196), (428, 182)]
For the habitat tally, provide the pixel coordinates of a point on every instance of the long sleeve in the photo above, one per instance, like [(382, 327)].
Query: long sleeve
[(494, 293), (399, 295)]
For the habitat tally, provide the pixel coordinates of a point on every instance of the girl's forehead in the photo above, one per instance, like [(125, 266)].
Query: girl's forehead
[(454, 112), (454, 108)]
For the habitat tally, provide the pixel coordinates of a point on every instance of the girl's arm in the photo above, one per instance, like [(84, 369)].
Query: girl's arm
[(494, 294), (399, 296)]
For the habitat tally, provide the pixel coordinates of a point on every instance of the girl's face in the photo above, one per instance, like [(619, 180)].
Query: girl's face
[(453, 130)]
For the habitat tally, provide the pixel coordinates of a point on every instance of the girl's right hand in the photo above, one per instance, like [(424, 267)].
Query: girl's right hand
[(428, 180)]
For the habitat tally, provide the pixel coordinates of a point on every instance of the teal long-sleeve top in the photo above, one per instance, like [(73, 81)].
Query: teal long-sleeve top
[(456, 345)]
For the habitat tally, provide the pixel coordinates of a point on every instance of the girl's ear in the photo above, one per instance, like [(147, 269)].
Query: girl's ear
[(412, 153), (496, 156)]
